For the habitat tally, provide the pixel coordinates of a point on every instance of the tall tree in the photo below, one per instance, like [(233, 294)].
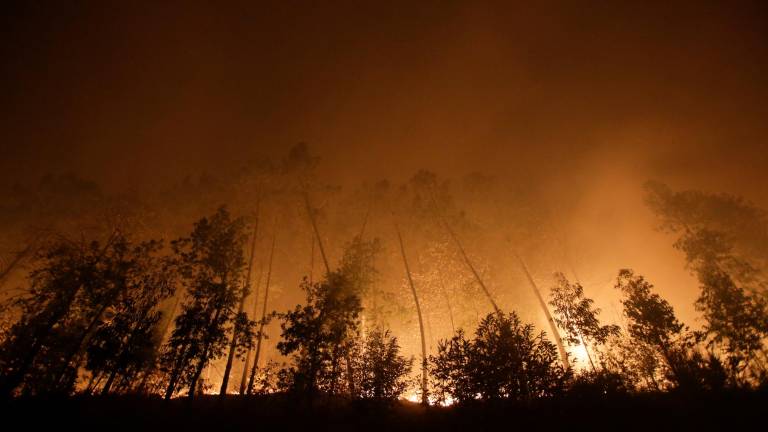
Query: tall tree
[(263, 320), (650, 318), (319, 334), (724, 240), (547, 314), (124, 345), (75, 287), (211, 264), (577, 316), (240, 310), (424, 372), (736, 322)]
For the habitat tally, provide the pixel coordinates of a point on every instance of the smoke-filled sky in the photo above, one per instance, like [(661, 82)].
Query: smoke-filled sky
[(137, 91), (587, 101)]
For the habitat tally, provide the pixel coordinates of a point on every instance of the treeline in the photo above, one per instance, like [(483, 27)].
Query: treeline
[(127, 314), (121, 317)]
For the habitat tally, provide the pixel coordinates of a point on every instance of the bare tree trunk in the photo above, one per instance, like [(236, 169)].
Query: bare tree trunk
[(312, 220), (263, 316), (202, 362), (92, 383), (311, 259), (455, 239), (181, 359), (246, 287), (586, 350), (110, 380), (424, 399), (550, 320), (247, 364), (471, 267)]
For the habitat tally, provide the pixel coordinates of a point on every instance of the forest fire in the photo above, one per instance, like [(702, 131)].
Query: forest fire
[(425, 215)]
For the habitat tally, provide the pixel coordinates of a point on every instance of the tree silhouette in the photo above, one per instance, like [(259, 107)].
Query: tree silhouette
[(576, 315), (210, 266), (81, 295), (737, 322), (320, 334), (651, 320), (505, 360), (724, 241), (382, 370), (126, 343)]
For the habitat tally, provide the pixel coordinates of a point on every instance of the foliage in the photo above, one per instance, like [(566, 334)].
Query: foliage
[(210, 264), (599, 384), (505, 360), (358, 263), (724, 239), (650, 318), (639, 364), (125, 344), (736, 322), (575, 314), (74, 286), (382, 370), (320, 334)]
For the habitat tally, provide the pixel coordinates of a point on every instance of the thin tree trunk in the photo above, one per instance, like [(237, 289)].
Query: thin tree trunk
[(259, 337), (576, 278), (471, 267), (550, 320), (95, 383), (247, 365), (246, 287), (311, 259), (81, 344), (455, 239), (424, 396), (181, 360), (110, 380), (586, 350), (312, 220), (202, 362), (91, 383)]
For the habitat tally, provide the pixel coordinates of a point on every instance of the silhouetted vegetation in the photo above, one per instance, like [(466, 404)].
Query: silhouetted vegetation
[(505, 360), (129, 315)]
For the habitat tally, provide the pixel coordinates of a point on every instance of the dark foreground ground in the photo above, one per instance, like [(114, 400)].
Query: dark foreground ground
[(730, 412)]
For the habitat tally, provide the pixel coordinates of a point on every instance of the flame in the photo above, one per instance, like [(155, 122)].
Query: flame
[(580, 356), (413, 397)]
